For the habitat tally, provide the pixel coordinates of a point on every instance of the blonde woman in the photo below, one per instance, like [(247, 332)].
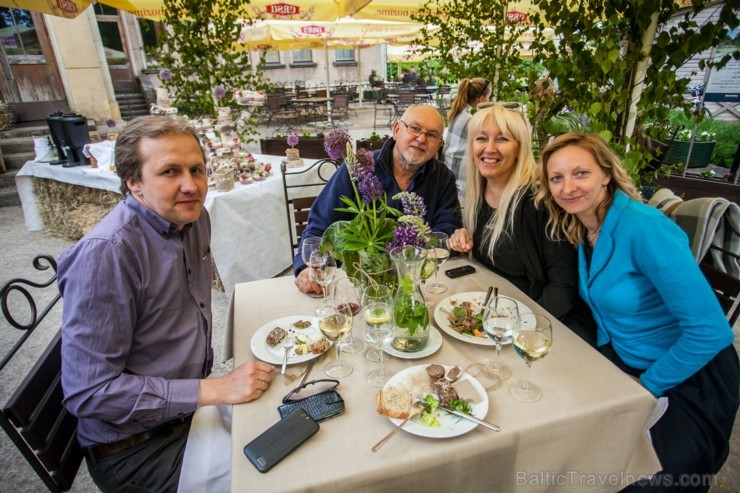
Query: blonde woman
[(658, 319), (504, 229), (470, 93)]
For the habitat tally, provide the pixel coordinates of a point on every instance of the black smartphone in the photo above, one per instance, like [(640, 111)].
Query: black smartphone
[(463, 270), (280, 439)]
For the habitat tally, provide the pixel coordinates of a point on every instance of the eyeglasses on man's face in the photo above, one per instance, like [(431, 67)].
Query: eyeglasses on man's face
[(415, 131)]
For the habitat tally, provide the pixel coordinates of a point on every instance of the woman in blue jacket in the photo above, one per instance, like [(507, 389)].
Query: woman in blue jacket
[(658, 319)]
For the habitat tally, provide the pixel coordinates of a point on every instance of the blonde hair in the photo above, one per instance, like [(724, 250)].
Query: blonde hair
[(569, 224), (469, 91), (512, 122)]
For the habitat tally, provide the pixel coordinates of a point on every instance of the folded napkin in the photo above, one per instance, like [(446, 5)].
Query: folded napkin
[(104, 154)]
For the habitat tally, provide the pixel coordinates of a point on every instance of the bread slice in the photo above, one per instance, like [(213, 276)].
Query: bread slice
[(393, 403)]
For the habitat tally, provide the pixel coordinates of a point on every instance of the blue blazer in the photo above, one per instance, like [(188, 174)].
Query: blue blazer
[(648, 296)]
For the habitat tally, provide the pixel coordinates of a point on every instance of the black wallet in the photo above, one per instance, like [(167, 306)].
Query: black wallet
[(318, 398)]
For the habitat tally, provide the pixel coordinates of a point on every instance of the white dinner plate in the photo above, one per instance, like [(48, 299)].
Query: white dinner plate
[(478, 297), (435, 342), (416, 380), (274, 355)]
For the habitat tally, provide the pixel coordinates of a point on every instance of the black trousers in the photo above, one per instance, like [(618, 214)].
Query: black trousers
[(692, 439), (152, 466)]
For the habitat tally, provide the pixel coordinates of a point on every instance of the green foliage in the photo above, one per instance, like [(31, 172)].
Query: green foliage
[(200, 48), (727, 136), (597, 61), (476, 41)]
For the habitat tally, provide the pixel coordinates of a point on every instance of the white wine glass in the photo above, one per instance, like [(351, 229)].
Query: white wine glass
[(377, 303), (532, 340), (500, 320), (335, 322), (323, 267), (348, 290), (439, 252), (376, 336)]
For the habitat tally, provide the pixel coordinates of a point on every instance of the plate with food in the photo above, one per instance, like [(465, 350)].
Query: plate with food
[(433, 385), (460, 316), (435, 342), (309, 342)]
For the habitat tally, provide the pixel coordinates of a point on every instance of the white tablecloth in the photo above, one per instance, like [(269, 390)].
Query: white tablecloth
[(586, 434), (249, 223)]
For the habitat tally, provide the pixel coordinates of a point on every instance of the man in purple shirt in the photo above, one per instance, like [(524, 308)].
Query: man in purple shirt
[(136, 328)]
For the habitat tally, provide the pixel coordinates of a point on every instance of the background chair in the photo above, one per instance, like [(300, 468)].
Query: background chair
[(301, 187), (34, 417), (383, 106), (405, 100), (339, 109)]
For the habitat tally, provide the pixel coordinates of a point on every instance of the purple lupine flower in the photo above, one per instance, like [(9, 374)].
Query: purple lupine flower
[(292, 139), (412, 204), (110, 123), (410, 232), (165, 74), (335, 143), (369, 186), (219, 92), (365, 160)]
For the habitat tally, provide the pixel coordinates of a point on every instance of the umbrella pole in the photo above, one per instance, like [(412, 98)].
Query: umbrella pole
[(359, 75), (328, 80)]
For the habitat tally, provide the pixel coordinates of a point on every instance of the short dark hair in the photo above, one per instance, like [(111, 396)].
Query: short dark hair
[(128, 158)]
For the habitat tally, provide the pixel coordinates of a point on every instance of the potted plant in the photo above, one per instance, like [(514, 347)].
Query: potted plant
[(701, 152), (309, 146), (372, 143)]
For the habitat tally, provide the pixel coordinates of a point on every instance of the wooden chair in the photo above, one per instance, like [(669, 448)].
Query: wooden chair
[(34, 417), (298, 205), (726, 288)]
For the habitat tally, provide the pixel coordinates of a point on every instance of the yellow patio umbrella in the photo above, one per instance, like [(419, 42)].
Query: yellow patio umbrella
[(60, 8)]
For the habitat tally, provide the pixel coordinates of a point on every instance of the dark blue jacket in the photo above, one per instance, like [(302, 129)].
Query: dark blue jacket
[(434, 182)]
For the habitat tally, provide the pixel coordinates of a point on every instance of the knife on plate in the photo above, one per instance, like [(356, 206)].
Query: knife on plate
[(470, 418)]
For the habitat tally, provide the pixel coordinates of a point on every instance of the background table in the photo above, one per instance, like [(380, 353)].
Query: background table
[(249, 224), (587, 433)]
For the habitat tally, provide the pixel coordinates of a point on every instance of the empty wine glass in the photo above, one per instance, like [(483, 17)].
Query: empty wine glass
[(500, 319), (335, 321), (309, 245), (376, 336), (377, 303), (348, 290), (532, 340), (438, 252), (323, 267)]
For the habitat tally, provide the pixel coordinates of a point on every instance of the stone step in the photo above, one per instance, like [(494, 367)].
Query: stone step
[(14, 145), (132, 107), (9, 198), (18, 159), (7, 180)]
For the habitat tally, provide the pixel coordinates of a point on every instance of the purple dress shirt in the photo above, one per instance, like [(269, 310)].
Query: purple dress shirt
[(136, 324)]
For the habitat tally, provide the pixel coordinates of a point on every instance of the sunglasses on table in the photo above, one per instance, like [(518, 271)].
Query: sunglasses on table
[(415, 131)]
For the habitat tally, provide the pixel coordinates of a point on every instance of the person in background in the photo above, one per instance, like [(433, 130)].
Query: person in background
[(504, 228), (470, 93), (406, 76), (374, 79), (431, 79), (406, 162), (136, 323), (658, 319)]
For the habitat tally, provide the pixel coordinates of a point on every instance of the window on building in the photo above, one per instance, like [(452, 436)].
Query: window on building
[(272, 57), (101, 9), (344, 55), (18, 33), (150, 32), (302, 56)]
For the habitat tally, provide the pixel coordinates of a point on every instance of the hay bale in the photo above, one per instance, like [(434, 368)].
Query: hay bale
[(69, 211)]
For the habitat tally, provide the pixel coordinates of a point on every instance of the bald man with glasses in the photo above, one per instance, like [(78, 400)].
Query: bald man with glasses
[(406, 162)]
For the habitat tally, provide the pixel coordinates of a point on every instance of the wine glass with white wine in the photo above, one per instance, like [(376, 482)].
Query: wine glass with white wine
[(438, 252), (335, 321), (532, 340), (377, 303), (500, 320)]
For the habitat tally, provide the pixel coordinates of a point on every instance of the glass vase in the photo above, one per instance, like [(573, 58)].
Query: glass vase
[(410, 314), (370, 268)]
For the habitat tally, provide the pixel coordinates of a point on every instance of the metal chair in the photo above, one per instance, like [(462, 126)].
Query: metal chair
[(405, 100), (339, 109), (726, 288), (383, 106), (278, 110), (34, 417), (298, 205)]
